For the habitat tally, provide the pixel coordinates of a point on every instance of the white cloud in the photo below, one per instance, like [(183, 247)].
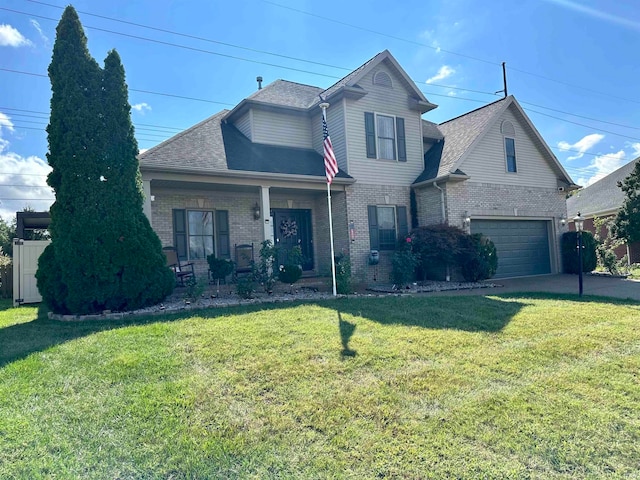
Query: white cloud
[(141, 107), (43, 37), (601, 166), (10, 37), (23, 180), (581, 146), (445, 71), (636, 149)]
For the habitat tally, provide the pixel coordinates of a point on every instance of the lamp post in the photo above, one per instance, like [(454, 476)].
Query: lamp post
[(579, 223)]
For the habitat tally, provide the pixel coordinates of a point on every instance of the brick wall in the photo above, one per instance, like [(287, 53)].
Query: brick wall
[(358, 197)]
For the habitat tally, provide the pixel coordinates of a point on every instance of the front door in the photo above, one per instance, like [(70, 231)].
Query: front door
[(293, 227)]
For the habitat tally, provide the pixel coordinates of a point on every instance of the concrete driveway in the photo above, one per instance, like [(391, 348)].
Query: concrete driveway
[(563, 283)]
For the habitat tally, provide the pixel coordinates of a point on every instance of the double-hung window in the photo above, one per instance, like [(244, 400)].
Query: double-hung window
[(197, 233), (387, 223), (385, 137)]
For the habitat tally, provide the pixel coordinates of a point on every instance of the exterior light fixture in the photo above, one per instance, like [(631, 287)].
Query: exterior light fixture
[(578, 221), (563, 221), (466, 220), (256, 211)]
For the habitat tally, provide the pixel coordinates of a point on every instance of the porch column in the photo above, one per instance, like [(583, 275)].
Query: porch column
[(265, 206), (146, 206)]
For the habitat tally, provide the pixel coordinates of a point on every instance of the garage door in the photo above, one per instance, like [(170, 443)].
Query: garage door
[(522, 245)]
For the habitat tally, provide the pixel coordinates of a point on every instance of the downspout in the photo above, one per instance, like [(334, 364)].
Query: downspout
[(435, 184)]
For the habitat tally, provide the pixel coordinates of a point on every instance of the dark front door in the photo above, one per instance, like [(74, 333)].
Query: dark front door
[(293, 227)]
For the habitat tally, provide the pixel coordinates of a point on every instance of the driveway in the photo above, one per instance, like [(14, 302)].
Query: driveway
[(563, 283)]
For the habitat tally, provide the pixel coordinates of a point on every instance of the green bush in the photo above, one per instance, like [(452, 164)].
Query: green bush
[(265, 271), (478, 259), (292, 271), (245, 287), (570, 252), (403, 263), (219, 267), (437, 248), (343, 274)]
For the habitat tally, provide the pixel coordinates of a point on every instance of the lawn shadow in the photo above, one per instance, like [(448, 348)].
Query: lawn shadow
[(472, 313), (346, 332)]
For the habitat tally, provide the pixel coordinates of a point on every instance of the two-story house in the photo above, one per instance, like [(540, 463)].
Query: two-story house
[(256, 173)]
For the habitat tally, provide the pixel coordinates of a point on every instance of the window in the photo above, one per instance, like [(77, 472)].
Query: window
[(386, 224), (194, 232), (510, 150), (385, 137), (200, 233)]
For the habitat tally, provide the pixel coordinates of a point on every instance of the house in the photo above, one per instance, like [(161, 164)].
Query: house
[(603, 199), (256, 173)]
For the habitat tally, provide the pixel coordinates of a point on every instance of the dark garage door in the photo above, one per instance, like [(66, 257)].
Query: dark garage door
[(522, 245)]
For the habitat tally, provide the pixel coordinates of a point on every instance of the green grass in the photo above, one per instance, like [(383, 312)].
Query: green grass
[(532, 386)]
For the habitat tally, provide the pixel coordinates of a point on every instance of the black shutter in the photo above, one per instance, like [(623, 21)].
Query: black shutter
[(403, 228), (180, 233), (374, 239), (402, 149), (370, 129), (222, 234)]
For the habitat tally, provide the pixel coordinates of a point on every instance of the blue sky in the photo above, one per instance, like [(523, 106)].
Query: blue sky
[(571, 64)]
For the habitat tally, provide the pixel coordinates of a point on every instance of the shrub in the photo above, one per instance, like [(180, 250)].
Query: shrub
[(292, 271), (245, 287), (403, 263), (437, 247), (570, 252), (263, 271), (478, 259), (219, 268), (343, 274)]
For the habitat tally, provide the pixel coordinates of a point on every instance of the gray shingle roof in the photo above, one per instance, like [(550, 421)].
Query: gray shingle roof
[(199, 147), (345, 80), (287, 94), (431, 130), (601, 196), (242, 154), (461, 132)]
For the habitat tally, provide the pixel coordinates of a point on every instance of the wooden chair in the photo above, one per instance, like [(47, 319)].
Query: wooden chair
[(183, 271)]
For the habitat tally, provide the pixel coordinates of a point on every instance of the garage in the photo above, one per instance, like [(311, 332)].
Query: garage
[(522, 245)]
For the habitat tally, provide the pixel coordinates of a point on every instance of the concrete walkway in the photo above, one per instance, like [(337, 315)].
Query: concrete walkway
[(592, 285), (563, 283)]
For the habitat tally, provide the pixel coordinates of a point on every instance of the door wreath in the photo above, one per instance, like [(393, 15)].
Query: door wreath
[(288, 228)]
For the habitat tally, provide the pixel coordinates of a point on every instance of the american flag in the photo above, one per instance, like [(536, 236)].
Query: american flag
[(330, 162)]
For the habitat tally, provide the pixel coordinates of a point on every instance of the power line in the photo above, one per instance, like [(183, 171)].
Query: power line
[(26, 186)]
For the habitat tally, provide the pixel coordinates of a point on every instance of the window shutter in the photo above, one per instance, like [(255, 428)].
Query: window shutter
[(180, 233), (373, 227), (370, 129), (222, 234), (403, 227), (402, 149)]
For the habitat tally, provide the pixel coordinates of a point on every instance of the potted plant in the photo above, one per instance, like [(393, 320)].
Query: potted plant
[(219, 269)]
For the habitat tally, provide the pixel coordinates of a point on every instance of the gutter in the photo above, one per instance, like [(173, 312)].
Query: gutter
[(435, 184)]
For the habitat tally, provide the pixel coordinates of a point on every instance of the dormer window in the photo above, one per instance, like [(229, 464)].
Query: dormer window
[(382, 79), (509, 133)]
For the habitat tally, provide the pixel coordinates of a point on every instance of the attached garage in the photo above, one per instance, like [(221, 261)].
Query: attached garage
[(522, 245)]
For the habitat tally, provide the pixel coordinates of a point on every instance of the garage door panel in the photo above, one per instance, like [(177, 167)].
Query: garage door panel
[(522, 245)]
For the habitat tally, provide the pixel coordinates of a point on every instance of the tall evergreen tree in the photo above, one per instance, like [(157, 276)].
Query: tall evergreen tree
[(103, 254), (627, 222)]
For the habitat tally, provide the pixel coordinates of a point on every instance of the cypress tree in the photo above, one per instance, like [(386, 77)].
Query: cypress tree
[(103, 254), (627, 222)]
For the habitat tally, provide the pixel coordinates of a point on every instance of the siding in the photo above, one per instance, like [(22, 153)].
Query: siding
[(487, 162), (391, 101), (244, 124), (335, 124), (281, 129)]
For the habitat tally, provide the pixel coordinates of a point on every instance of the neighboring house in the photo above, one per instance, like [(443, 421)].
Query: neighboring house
[(256, 172), (603, 199)]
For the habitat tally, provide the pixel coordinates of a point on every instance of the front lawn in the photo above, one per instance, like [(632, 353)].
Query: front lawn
[(398, 387)]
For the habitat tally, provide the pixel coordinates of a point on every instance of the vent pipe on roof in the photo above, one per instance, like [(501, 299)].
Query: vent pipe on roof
[(259, 80)]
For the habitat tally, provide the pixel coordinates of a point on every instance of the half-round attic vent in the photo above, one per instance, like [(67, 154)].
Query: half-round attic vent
[(383, 79), (508, 128)]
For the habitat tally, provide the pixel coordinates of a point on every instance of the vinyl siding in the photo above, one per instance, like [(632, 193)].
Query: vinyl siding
[(281, 129), (487, 161), (244, 124), (389, 101)]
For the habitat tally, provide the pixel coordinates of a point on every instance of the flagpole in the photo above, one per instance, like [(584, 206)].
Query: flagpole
[(324, 106)]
